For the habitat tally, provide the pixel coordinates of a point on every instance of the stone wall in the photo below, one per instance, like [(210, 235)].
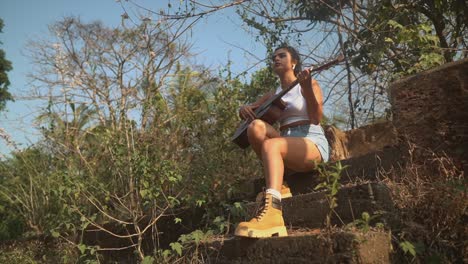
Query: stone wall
[(430, 109), (360, 141)]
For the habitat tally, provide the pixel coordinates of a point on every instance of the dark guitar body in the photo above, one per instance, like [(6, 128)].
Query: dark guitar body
[(270, 114)]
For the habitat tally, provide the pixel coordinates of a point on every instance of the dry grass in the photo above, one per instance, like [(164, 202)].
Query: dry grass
[(429, 192)]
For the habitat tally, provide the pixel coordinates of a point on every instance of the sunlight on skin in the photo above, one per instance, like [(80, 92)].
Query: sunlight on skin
[(275, 151)]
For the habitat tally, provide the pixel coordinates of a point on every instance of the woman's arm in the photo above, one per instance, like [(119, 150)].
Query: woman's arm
[(313, 96)]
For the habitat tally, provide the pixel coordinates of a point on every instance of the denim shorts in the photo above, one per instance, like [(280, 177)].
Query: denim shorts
[(314, 133)]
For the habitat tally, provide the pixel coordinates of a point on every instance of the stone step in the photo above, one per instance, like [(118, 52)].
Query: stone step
[(310, 210), (304, 247), (368, 167)]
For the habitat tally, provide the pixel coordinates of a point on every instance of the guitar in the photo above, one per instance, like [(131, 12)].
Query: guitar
[(271, 109)]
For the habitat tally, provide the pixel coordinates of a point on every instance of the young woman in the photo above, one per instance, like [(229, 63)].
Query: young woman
[(299, 142)]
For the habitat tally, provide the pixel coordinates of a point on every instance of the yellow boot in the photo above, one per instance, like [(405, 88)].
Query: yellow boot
[(268, 222), (285, 193)]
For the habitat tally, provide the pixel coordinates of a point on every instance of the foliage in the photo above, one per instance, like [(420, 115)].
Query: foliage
[(364, 223), (430, 194), (17, 256), (128, 145), (330, 176), (38, 251), (33, 191), (382, 40), (320, 10), (408, 247), (12, 225), (134, 134), (5, 66), (262, 82), (405, 37)]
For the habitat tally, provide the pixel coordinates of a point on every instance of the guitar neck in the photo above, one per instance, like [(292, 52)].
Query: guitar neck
[(312, 69)]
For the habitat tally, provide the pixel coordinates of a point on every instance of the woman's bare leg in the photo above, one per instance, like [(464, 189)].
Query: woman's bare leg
[(259, 131), (295, 153)]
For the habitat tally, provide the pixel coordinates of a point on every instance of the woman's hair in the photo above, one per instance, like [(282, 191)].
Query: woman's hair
[(294, 55)]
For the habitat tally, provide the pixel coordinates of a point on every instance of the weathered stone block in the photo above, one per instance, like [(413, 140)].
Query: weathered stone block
[(303, 247), (364, 167), (431, 110), (366, 151), (309, 210), (360, 141)]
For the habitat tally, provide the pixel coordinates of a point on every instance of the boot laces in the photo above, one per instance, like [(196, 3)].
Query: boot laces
[(261, 209)]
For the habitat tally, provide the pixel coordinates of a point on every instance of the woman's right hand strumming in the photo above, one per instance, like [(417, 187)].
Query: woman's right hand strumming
[(247, 112)]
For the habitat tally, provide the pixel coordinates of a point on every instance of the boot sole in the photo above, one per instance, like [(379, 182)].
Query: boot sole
[(279, 231)]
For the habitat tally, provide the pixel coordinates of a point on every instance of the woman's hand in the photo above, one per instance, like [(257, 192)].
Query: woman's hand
[(247, 112), (304, 77), (313, 96)]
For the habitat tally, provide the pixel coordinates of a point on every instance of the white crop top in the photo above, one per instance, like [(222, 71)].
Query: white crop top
[(296, 106)]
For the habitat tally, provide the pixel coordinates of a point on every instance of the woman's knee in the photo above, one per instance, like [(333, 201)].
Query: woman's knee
[(256, 129), (272, 145)]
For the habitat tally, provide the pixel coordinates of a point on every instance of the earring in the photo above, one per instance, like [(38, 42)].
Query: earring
[(294, 66)]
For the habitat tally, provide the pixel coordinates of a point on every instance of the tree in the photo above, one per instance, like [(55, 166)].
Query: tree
[(132, 131), (382, 40), (403, 37), (5, 66), (100, 84)]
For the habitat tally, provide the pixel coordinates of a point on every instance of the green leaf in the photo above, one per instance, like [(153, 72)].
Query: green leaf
[(425, 27), (55, 234), (380, 225), (407, 246), (200, 202), (394, 24), (177, 220), (172, 179), (82, 248), (334, 191), (365, 217), (321, 185), (197, 236), (218, 219), (148, 260), (166, 253), (177, 247), (173, 200)]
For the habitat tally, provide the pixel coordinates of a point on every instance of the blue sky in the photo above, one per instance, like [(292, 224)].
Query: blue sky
[(29, 19)]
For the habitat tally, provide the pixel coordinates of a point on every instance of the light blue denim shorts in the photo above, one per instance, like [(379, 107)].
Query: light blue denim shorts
[(314, 133)]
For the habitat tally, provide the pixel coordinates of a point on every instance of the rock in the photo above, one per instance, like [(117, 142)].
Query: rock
[(430, 109), (360, 141)]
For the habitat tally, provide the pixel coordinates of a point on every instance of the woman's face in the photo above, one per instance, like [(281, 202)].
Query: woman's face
[(282, 61)]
